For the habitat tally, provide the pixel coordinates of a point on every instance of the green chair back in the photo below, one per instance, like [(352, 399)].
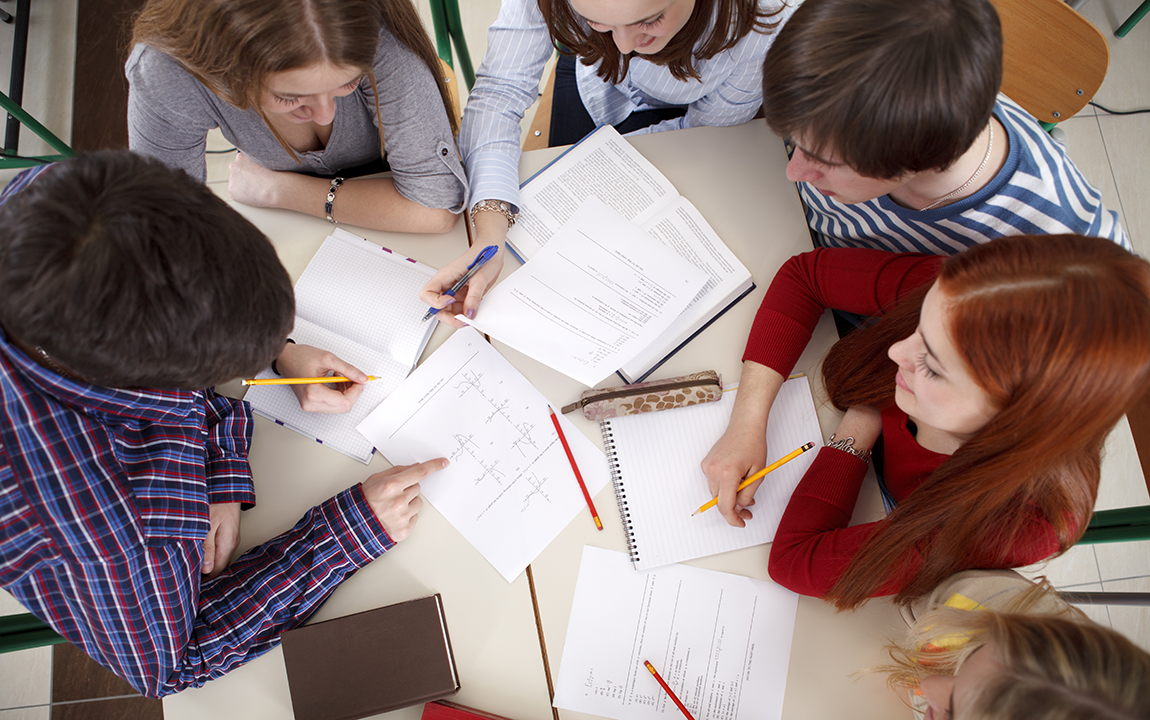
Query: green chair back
[(23, 631)]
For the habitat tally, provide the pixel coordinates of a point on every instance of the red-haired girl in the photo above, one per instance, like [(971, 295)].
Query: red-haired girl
[(992, 380)]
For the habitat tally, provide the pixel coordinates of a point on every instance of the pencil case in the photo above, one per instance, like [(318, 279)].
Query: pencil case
[(692, 389)]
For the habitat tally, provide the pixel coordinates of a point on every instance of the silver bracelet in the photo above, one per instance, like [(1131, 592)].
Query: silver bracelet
[(848, 445), (327, 206), (500, 206)]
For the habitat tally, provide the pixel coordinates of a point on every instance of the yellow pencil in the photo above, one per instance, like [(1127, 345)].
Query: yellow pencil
[(784, 459), (302, 381)]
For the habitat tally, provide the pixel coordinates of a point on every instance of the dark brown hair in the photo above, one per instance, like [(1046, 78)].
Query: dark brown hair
[(886, 86), (132, 274), (1056, 330), (231, 46), (733, 20)]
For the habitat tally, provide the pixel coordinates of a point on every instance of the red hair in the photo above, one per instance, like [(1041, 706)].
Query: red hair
[(1056, 329)]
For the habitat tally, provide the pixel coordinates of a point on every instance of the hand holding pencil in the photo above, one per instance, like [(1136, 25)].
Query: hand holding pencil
[(746, 483), (305, 361)]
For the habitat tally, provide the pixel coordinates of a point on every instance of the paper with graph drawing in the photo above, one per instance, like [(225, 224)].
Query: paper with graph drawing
[(509, 488), (359, 301), (594, 297), (721, 641)]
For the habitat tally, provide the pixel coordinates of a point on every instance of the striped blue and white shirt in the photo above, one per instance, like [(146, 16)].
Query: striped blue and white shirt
[(729, 92), (104, 496), (1038, 191)]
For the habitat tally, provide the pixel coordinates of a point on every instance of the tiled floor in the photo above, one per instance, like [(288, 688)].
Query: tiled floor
[(1113, 152)]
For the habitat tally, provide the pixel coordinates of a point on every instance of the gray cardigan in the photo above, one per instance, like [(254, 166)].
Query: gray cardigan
[(170, 114)]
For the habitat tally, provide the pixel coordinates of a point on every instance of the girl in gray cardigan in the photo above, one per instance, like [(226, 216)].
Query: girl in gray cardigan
[(305, 89)]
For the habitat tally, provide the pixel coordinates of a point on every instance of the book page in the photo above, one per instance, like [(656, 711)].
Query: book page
[(658, 456), (509, 488), (683, 229), (359, 301), (721, 642), (597, 295), (602, 165)]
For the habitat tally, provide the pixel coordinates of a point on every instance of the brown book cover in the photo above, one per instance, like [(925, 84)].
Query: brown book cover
[(371, 662)]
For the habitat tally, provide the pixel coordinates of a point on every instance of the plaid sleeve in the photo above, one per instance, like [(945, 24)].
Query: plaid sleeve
[(229, 438)]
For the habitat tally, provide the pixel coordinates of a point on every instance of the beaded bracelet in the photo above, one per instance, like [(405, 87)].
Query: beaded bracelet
[(500, 206), (327, 206)]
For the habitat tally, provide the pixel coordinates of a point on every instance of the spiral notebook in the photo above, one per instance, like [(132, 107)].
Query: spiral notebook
[(654, 460), (359, 301)]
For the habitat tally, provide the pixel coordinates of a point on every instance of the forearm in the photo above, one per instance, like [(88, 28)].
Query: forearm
[(372, 203)]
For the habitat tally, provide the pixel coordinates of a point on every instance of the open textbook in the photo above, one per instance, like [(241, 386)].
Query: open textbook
[(509, 488), (722, 642), (595, 297), (606, 166), (359, 301)]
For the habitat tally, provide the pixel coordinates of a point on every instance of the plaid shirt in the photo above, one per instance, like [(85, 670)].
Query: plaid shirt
[(103, 511)]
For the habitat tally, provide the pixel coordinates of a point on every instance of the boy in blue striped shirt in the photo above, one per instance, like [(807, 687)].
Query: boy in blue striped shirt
[(902, 141)]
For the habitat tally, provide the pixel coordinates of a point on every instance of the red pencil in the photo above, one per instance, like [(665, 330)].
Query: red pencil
[(670, 692), (578, 475)]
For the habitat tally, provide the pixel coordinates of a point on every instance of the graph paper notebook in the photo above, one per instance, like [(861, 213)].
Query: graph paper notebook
[(654, 460), (359, 301)]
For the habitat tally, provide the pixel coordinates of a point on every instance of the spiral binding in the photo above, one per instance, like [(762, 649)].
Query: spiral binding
[(620, 491)]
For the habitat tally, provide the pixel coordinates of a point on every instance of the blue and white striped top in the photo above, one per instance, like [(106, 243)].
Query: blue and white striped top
[(729, 92), (1038, 191)]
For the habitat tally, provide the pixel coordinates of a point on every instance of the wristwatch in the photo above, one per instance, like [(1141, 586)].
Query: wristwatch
[(847, 444), (500, 206)]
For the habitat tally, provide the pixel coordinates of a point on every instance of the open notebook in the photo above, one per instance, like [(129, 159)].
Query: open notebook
[(359, 301), (654, 460)]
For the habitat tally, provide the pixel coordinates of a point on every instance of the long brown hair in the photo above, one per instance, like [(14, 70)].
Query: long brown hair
[(231, 46), (734, 19), (1056, 330)]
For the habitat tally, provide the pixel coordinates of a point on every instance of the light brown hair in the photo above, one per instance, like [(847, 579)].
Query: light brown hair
[(733, 20), (1056, 330), (231, 46), (1054, 666), (886, 86)]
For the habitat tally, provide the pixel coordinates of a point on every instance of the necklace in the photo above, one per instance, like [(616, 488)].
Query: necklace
[(52, 364), (965, 185)]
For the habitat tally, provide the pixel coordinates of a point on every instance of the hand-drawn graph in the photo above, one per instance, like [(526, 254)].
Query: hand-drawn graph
[(509, 487)]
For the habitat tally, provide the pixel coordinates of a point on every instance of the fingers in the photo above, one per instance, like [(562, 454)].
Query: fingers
[(466, 300), (394, 495), (209, 553)]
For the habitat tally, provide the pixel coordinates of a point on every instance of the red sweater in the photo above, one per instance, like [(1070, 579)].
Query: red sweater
[(813, 544)]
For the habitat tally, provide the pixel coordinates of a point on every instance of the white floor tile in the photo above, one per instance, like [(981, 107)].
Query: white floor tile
[(39, 712), (1127, 140), (1085, 147), (1133, 622), (1077, 566), (1127, 85), (26, 677), (1098, 613), (1119, 561)]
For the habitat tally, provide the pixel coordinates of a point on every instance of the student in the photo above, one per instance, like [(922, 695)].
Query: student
[(311, 92), (993, 378), (902, 140), (643, 66), (128, 288), (990, 645)]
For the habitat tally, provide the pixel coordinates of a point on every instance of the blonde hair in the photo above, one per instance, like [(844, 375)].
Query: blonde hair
[(231, 46), (1054, 665)]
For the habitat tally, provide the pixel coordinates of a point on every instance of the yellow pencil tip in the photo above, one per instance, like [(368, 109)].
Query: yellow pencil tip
[(694, 513)]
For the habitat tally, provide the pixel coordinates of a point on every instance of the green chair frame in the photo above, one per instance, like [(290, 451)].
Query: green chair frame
[(8, 162), (1120, 525), (449, 29), (1138, 14), (23, 631)]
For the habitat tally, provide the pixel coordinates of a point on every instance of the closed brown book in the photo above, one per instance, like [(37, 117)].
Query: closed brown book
[(371, 662)]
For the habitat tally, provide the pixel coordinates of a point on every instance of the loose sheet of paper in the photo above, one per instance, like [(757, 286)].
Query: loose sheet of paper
[(360, 302), (509, 488), (602, 165), (598, 294), (722, 642)]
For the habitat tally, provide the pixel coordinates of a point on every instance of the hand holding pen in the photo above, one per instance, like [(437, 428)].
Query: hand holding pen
[(480, 260)]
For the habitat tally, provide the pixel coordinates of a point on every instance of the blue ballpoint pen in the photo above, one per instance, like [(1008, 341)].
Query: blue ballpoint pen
[(480, 261)]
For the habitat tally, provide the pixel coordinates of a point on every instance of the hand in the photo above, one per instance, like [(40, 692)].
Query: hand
[(251, 183), (394, 495), (307, 361), (490, 229), (223, 538), (739, 453)]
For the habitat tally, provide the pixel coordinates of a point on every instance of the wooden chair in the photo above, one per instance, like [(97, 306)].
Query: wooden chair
[(1054, 60)]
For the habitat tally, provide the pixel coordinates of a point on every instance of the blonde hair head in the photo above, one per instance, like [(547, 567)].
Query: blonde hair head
[(1055, 666)]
